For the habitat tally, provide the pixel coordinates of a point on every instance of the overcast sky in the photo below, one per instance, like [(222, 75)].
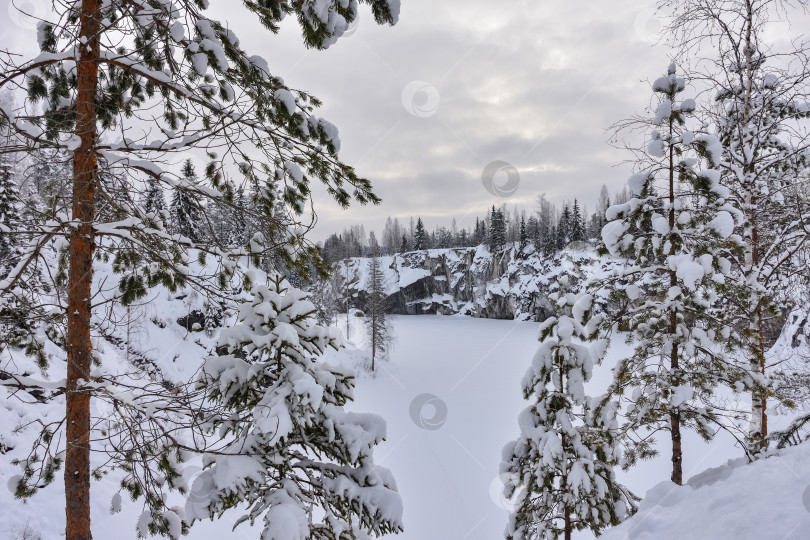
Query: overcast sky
[(425, 106)]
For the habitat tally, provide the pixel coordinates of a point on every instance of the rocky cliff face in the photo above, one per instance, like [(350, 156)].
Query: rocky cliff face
[(469, 281)]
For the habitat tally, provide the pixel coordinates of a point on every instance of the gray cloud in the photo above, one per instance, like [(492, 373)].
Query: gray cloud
[(533, 84)]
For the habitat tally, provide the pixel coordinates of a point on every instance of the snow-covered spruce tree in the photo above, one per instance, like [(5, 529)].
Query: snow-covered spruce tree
[(577, 224), (111, 76), (154, 202), (561, 468), (303, 465), (378, 325), (497, 230), (564, 228), (523, 239), (326, 295), (184, 210), (673, 233), (761, 94), (11, 315), (50, 177), (9, 215), (23, 320), (420, 237), (113, 194)]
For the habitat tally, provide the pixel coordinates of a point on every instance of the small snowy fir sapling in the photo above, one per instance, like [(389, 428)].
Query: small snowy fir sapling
[(560, 469), (301, 463)]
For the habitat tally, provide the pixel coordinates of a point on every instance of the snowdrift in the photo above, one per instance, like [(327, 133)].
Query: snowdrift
[(767, 499)]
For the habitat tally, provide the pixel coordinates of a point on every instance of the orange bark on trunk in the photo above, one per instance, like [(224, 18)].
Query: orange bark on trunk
[(80, 277)]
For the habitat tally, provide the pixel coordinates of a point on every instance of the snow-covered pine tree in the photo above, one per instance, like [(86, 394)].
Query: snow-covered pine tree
[(762, 93), (561, 468), (303, 465), (378, 325), (185, 210), (177, 83), (673, 238)]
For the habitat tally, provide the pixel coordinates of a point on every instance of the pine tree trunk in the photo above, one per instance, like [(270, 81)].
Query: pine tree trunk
[(567, 523), (674, 416), (80, 277)]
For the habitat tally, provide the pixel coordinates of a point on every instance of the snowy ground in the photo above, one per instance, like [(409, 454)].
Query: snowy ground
[(451, 395)]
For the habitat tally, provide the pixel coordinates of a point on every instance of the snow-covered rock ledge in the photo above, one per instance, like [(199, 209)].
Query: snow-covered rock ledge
[(470, 281)]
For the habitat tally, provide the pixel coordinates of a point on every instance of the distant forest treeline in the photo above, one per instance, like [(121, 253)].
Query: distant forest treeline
[(548, 228)]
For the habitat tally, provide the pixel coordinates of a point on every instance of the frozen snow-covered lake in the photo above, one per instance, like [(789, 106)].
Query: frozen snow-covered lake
[(447, 468)]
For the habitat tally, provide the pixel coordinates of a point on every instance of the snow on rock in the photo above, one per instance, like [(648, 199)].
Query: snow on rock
[(470, 281), (769, 498)]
